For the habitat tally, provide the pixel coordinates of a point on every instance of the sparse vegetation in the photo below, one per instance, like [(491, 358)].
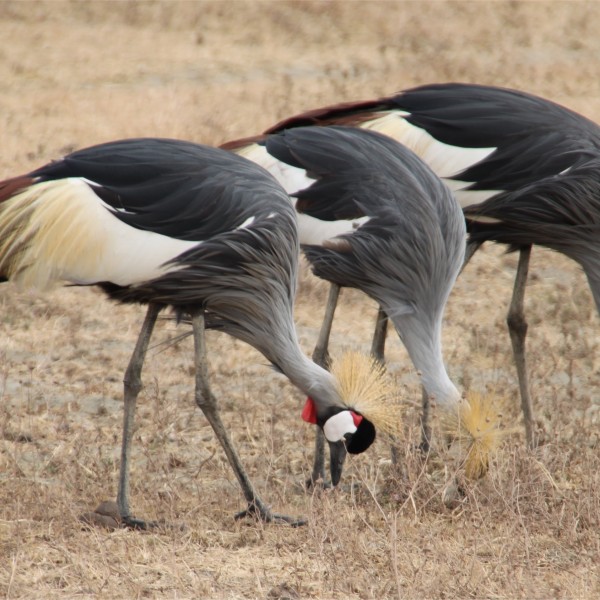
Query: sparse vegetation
[(78, 73)]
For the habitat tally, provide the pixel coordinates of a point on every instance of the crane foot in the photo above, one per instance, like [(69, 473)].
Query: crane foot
[(259, 511), (319, 483), (107, 515), (141, 525)]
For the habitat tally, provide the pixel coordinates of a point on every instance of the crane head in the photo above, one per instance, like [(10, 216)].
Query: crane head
[(366, 402), (345, 431)]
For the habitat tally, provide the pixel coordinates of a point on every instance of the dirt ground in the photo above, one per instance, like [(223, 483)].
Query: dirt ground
[(78, 73)]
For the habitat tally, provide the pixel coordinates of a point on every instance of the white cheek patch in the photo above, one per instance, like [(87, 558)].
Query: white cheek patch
[(338, 426)]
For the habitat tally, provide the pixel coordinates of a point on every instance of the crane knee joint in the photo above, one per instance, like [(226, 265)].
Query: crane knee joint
[(132, 384), (516, 322)]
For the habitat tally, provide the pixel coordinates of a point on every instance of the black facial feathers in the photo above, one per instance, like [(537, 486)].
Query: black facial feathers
[(362, 438)]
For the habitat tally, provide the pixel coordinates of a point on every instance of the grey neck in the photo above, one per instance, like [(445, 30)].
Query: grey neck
[(306, 375), (423, 340)]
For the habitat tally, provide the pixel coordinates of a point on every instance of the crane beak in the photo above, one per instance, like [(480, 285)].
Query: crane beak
[(337, 453)]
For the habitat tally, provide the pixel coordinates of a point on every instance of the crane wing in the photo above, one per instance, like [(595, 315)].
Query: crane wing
[(177, 189), (411, 242), (482, 140)]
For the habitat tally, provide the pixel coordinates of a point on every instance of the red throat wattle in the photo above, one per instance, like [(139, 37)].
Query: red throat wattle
[(309, 413)]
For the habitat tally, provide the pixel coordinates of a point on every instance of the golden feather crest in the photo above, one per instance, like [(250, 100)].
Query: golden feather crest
[(365, 386), (476, 426)]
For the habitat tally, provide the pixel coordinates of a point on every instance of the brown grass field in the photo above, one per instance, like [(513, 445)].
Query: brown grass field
[(78, 73)]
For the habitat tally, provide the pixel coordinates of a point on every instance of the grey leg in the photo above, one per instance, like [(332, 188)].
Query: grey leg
[(318, 471), (321, 353), (207, 402), (472, 247), (132, 386), (321, 357), (425, 424), (379, 336), (378, 352), (517, 327)]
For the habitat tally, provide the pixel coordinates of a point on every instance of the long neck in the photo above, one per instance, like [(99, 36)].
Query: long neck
[(309, 377), (422, 338), (280, 345)]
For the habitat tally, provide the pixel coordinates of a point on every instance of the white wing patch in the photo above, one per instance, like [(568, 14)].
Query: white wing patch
[(314, 231), (468, 197), (484, 219), (247, 223), (311, 230), (61, 231), (445, 161), (290, 178)]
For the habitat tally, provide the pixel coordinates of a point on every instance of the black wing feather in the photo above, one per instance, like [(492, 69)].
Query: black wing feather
[(561, 212), (535, 138), (179, 189)]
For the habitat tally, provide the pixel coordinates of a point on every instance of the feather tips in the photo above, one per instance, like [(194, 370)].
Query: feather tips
[(365, 386), (474, 425)]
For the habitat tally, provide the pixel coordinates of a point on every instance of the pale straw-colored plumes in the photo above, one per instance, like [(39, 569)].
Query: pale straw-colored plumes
[(45, 230), (366, 387), (475, 428), (60, 230)]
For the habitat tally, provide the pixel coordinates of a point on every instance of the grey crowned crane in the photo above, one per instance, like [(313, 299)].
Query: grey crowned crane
[(385, 224), (174, 224), (524, 169)]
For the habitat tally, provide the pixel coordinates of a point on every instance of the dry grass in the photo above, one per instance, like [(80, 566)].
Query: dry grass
[(78, 73)]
